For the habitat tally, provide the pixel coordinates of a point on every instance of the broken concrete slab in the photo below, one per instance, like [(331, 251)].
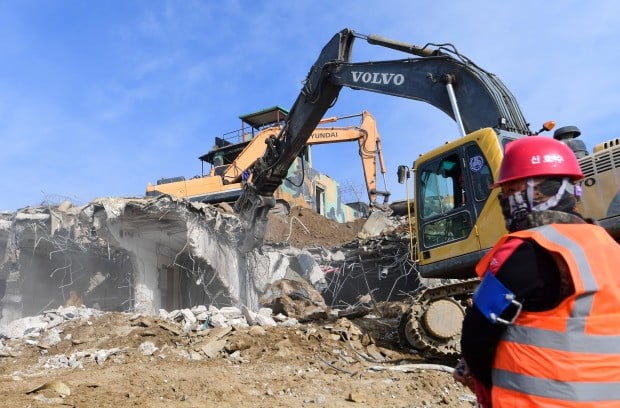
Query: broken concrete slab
[(212, 348), (147, 348), (309, 269), (377, 222), (297, 299), (265, 321), (30, 325)]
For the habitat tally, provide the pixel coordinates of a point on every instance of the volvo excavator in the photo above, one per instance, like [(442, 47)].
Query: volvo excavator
[(457, 215), (235, 152)]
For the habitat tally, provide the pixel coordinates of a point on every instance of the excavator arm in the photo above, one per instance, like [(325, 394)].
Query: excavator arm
[(439, 77), (369, 141)]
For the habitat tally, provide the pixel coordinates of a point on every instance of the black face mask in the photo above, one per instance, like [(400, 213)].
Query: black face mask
[(559, 193), (515, 208)]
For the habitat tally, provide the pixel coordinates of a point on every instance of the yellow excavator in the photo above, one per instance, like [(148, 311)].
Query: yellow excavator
[(234, 154), (457, 215)]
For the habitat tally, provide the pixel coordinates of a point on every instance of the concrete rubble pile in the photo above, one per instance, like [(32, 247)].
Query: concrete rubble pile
[(39, 329), (142, 255), (46, 330), (199, 333)]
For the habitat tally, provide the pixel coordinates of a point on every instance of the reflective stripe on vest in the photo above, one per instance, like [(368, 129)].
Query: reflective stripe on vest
[(593, 348), (570, 341), (562, 390)]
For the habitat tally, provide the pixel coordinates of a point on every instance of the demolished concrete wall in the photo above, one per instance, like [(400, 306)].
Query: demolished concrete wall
[(47, 253), (171, 239), (135, 255)]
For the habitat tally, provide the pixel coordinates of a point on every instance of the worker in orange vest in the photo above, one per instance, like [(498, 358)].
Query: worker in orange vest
[(544, 330)]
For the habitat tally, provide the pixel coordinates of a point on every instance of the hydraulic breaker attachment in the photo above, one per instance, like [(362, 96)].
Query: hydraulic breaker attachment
[(253, 209)]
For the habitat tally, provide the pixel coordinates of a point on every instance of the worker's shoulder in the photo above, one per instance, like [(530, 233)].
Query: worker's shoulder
[(504, 251)]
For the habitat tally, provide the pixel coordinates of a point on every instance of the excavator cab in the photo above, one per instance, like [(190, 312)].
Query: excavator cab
[(453, 199)]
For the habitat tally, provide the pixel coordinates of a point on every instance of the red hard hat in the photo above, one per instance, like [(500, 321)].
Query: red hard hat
[(538, 156)]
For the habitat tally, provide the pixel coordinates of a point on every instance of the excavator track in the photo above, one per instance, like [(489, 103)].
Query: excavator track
[(432, 325)]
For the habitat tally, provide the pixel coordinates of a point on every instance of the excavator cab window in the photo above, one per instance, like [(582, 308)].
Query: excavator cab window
[(445, 208), (480, 173), (219, 170), (441, 187)]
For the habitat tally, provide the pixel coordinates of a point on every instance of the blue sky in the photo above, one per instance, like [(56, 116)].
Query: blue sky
[(98, 98)]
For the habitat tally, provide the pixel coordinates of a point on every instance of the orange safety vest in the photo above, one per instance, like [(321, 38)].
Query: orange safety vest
[(568, 356)]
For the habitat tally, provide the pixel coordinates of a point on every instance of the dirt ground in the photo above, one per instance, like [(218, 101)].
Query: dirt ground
[(304, 228), (328, 363)]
